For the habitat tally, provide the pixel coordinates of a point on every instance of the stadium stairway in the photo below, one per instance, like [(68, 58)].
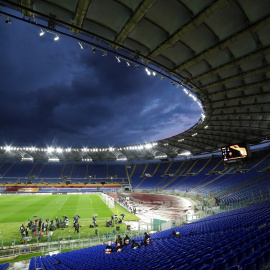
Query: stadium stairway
[(237, 239)]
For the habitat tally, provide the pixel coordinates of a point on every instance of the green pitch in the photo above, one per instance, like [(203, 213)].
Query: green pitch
[(15, 210)]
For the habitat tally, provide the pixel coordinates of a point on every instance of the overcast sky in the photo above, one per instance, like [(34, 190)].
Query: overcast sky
[(54, 93)]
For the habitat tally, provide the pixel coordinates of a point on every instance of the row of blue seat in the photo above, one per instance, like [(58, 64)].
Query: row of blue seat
[(213, 244)]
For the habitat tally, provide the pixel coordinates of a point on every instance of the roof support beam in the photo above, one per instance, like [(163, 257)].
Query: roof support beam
[(218, 132), (241, 98), (241, 88), (137, 16), (80, 13), (224, 114), (238, 125), (27, 4), (234, 63), (198, 20), (221, 46), (245, 106), (238, 77)]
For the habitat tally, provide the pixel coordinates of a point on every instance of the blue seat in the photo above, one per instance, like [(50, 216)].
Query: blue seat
[(249, 266), (267, 257), (197, 263), (245, 261), (206, 267), (230, 259), (219, 264), (258, 261), (208, 259), (179, 262), (185, 267)]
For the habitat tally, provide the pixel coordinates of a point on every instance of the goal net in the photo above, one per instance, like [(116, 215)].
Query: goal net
[(108, 200)]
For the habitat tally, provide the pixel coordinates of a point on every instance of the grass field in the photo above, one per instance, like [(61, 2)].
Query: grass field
[(16, 209)]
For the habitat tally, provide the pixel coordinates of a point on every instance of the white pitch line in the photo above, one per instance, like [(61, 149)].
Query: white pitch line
[(63, 202)]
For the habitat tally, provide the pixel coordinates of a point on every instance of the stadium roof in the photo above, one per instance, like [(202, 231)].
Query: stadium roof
[(219, 50)]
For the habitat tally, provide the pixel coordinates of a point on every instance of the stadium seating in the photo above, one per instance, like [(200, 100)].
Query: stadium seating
[(231, 184), (237, 239), (4, 266)]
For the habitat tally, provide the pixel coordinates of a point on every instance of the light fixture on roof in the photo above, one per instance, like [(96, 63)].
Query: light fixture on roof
[(94, 49), (154, 74), (178, 85), (128, 64), (59, 150), (50, 149), (118, 59), (104, 53), (162, 77), (8, 148), (148, 72), (173, 83), (42, 32), (81, 46), (6, 19)]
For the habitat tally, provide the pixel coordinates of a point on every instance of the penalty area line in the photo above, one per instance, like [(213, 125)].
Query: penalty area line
[(64, 202)]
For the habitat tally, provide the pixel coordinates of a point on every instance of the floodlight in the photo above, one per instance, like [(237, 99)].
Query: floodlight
[(7, 20), (94, 49), (42, 32), (104, 53), (56, 37), (59, 150), (118, 59), (8, 148), (50, 149), (81, 46), (128, 64), (147, 71)]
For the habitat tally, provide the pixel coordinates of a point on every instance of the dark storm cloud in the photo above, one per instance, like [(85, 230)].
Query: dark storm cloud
[(54, 92)]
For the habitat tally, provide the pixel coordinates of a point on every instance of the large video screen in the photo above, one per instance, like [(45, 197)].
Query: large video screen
[(234, 152)]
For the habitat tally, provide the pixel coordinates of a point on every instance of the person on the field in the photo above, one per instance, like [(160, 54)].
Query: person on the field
[(94, 221), (57, 222), (77, 227), (126, 240), (134, 245), (45, 228), (39, 224), (22, 229)]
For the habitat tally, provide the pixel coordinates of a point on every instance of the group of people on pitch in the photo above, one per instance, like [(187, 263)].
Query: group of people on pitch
[(119, 243)]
